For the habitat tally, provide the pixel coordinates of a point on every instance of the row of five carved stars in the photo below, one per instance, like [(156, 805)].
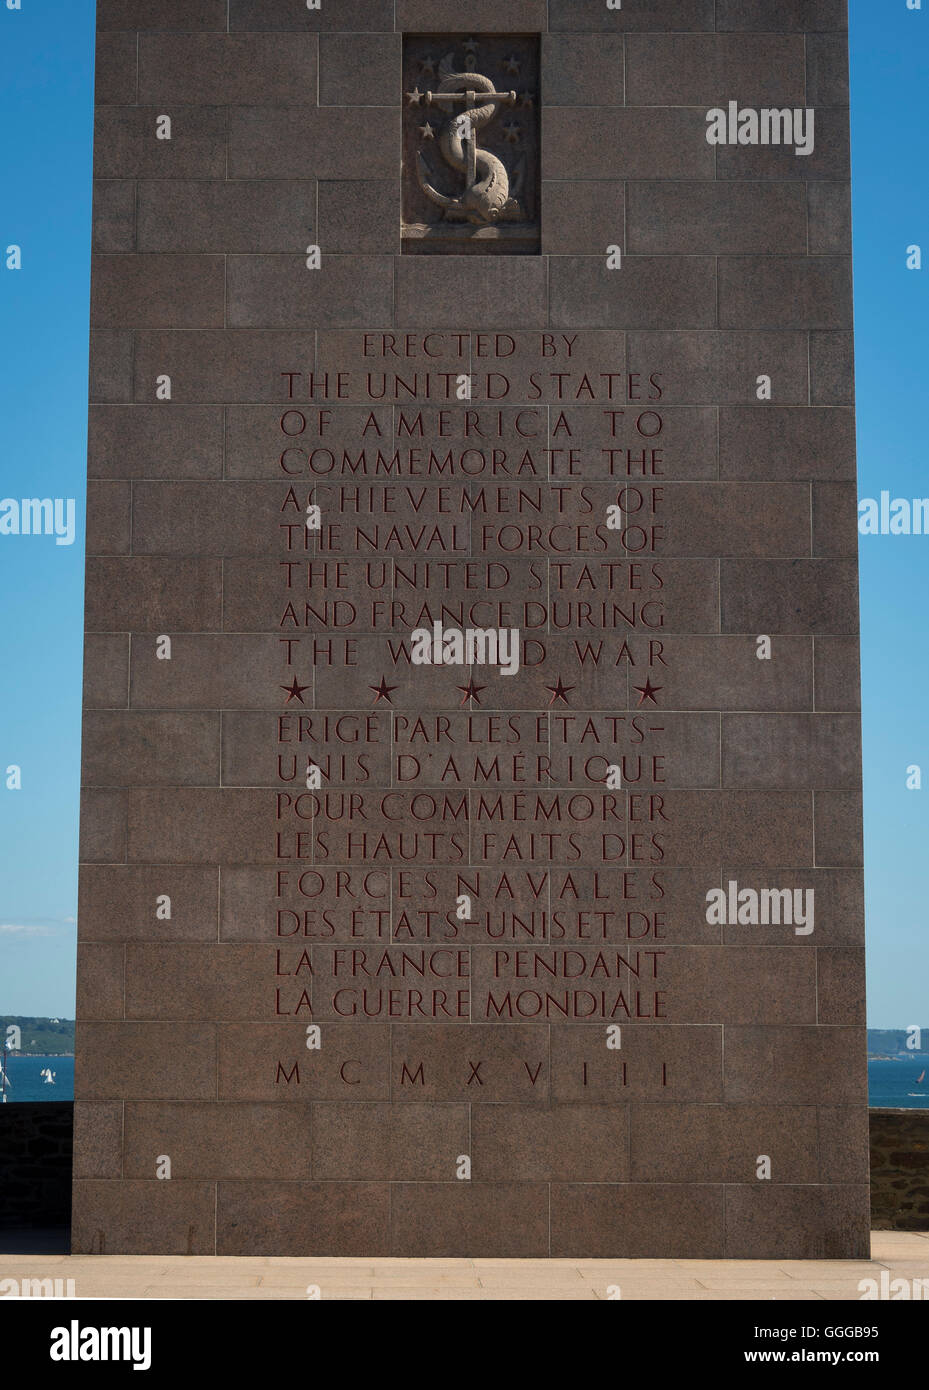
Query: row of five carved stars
[(383, 691)]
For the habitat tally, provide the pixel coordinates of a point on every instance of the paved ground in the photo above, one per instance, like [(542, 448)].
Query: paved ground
[(166, 1276)]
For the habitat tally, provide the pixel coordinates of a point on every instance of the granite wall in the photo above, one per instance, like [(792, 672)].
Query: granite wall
[(35, 1164), (899, 1170), (36, 1157)]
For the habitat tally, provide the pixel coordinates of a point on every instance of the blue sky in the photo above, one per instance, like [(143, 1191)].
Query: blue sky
[(890, 202), (46, 120), (46, 80)]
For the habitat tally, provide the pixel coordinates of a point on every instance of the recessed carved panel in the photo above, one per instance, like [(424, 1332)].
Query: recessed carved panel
[(470, 144)]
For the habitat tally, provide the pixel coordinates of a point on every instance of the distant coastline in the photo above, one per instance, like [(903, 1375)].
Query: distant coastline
[(43, 1052), (54, 1037)]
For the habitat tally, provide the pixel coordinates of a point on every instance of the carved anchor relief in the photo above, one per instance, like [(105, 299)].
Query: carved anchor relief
[(488, 195), (470, 168)]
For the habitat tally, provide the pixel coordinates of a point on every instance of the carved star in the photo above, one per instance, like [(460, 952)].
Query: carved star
[(560, 692), (414, 97), (512, 132), (383, 691), (511, 65), (471, 691), (427, 131), (428, 65), (295, 691), (648, 691), (527, 100)]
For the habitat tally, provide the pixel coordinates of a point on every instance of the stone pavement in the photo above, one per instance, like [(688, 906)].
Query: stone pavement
[(902, 1254)]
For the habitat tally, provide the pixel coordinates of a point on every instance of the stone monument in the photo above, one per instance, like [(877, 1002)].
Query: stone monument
[(471, 820)]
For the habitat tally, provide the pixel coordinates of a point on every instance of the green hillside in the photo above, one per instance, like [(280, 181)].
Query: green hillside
[(41, 1035), (888, 1042)]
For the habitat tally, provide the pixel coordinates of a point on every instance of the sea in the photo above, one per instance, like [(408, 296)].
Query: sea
[(892, 1083), (26, 1082)]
